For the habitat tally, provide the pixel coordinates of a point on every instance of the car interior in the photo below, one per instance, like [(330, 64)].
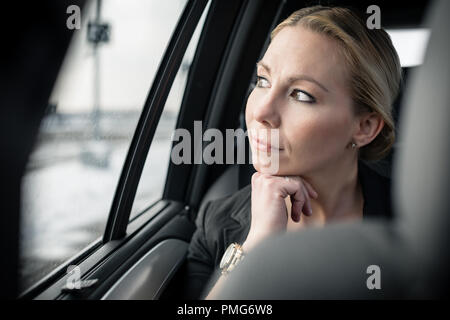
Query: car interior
[(145, 258)]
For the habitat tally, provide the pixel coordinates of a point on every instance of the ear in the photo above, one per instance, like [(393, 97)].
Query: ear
[(368, 126)]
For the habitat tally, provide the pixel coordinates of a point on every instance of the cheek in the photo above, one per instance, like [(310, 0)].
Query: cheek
[(319, 134), (249, 108)]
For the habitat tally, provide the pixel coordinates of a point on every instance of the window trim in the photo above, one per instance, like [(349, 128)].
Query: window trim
[(213, 46)]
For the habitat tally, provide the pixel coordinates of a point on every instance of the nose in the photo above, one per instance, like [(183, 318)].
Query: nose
[(266, 110)]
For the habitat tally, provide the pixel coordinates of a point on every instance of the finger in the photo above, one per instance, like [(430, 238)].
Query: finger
[(310, 190), (307, 208), (312, 193), (294, 211), (254, 177), (298, 201), (302, 207), (300, 198)]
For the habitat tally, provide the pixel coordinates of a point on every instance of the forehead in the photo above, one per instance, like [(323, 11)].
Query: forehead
[(297, 50)]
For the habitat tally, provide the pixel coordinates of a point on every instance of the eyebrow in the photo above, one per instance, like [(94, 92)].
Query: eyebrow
[(294, 78)]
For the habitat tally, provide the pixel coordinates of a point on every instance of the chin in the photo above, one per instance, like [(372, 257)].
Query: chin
[(282, 169), (271, 168)]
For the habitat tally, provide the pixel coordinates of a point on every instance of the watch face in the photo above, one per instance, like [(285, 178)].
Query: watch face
[(227, 256)]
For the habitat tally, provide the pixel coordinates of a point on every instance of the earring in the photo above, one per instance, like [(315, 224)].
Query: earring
[(353, 145)]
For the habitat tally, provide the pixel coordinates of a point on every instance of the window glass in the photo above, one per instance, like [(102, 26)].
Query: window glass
[(152, 182), (74, 168)]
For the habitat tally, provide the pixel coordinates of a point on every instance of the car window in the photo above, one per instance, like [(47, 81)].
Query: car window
[(82, 143), (152, 182)]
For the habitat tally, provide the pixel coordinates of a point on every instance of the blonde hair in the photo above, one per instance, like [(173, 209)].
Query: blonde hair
[(374, 68)]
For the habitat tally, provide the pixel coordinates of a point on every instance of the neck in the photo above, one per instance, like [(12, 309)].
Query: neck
[(340, 195)]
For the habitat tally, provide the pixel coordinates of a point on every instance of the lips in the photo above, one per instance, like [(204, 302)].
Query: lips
[(259, 143)]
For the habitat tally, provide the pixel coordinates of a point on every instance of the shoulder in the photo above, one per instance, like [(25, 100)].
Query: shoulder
[(227, 211)]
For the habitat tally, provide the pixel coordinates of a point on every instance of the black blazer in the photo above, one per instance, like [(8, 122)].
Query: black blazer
[(227, 220)]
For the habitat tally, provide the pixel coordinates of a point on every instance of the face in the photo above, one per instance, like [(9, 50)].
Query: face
[(301, 91)]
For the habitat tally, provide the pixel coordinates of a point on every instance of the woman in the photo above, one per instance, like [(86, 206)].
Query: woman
[(326, 84)]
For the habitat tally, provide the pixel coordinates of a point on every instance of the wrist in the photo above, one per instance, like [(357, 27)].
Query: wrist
[(249, 244), (254, 237)]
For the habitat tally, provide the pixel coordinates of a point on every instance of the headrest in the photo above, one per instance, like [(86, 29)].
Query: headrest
[(422, 169)]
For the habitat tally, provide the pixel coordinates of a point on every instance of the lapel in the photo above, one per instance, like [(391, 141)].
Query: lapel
[(238, 225)]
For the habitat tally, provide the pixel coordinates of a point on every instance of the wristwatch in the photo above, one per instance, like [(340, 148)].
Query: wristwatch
[(232, 256)]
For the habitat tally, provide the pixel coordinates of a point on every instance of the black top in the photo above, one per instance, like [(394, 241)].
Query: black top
[(227, 220)]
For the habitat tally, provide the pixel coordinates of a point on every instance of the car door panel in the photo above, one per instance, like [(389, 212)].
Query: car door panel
[(150, 275)]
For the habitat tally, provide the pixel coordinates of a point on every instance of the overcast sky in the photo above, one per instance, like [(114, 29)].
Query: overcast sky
[(140, 31)]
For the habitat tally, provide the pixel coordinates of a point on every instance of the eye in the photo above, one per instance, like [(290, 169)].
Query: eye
[(303, 96), (262, 82)]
